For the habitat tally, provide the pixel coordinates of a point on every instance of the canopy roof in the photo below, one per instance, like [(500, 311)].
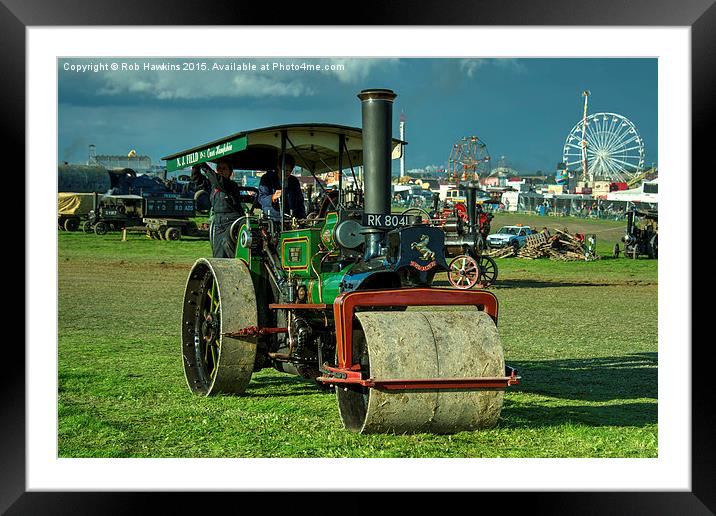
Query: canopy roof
[(314, 147), (123, 196)]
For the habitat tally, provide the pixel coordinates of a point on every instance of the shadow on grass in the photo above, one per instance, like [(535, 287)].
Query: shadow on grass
[(536, 415), (591, 379), (283, 385)]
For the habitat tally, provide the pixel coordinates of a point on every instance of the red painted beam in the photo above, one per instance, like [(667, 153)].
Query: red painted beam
[(424, 383), (276, 306)]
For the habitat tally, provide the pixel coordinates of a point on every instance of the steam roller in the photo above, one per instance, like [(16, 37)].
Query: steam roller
[(342, 296)]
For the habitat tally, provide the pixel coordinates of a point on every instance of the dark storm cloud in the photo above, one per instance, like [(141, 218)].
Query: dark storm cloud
[(522, 108)]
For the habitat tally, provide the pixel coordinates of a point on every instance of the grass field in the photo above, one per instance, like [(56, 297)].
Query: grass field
[(583, 336)]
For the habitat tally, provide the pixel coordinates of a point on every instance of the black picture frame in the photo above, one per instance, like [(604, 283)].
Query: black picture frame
[(699, 15)]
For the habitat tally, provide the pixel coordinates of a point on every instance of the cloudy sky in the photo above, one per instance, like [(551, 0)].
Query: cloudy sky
[(522, 109)]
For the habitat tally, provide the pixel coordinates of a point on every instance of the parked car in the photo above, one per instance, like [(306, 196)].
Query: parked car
[(516, 236)]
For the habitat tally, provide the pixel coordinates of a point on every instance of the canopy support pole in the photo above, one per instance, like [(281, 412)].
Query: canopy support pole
[(283, 173), (341, 143)]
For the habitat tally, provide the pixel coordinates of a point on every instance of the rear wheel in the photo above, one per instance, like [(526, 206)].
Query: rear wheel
[(172, 234), (72, 224), (87, 227), (488, 271), (219, 300)]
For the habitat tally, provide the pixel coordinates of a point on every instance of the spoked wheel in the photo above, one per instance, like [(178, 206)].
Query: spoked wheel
[(488, 271), (87, 227), (100, 228), (463, 272), (219, 300), (443, 344), (72, 224)]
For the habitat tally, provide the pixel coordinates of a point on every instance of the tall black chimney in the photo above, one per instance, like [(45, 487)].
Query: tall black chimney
[(377, 111), (471, 199)]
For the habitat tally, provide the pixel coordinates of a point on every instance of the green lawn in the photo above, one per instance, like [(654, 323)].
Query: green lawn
[(582, 334)]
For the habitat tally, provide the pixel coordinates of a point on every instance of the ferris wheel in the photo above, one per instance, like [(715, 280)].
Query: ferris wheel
[(469, 159), (614, 149)]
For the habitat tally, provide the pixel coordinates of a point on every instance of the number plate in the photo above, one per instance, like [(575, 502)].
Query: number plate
[(388, 221)]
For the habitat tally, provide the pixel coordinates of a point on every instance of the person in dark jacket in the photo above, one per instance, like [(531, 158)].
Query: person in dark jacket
[(270, 193), (226, 198)]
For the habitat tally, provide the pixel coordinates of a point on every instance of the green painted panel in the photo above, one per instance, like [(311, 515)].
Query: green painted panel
[(297, 249), (244, 254), (330, 286), (327, 231)]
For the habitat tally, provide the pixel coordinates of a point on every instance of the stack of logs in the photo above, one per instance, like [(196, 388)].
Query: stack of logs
[(558, 246)]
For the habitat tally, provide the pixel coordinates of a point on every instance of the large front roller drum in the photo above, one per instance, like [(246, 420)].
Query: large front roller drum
[(219, 299), (422, 345)]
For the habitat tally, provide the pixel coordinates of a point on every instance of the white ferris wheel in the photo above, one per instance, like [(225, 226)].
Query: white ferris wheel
[(614, 148)]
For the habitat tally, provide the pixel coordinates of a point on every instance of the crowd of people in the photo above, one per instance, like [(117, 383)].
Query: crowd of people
[(596, 209)]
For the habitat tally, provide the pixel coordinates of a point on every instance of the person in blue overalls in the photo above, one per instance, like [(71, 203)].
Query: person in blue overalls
[(226, 198), (270, 193)]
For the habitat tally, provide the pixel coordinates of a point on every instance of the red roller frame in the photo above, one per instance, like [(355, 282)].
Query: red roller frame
[(345, 304), (344, 308)]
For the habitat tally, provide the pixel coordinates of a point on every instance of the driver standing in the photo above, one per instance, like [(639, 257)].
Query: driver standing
[(226, 198)]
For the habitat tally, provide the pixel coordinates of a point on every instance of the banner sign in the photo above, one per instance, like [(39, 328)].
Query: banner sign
[(211, 153)]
